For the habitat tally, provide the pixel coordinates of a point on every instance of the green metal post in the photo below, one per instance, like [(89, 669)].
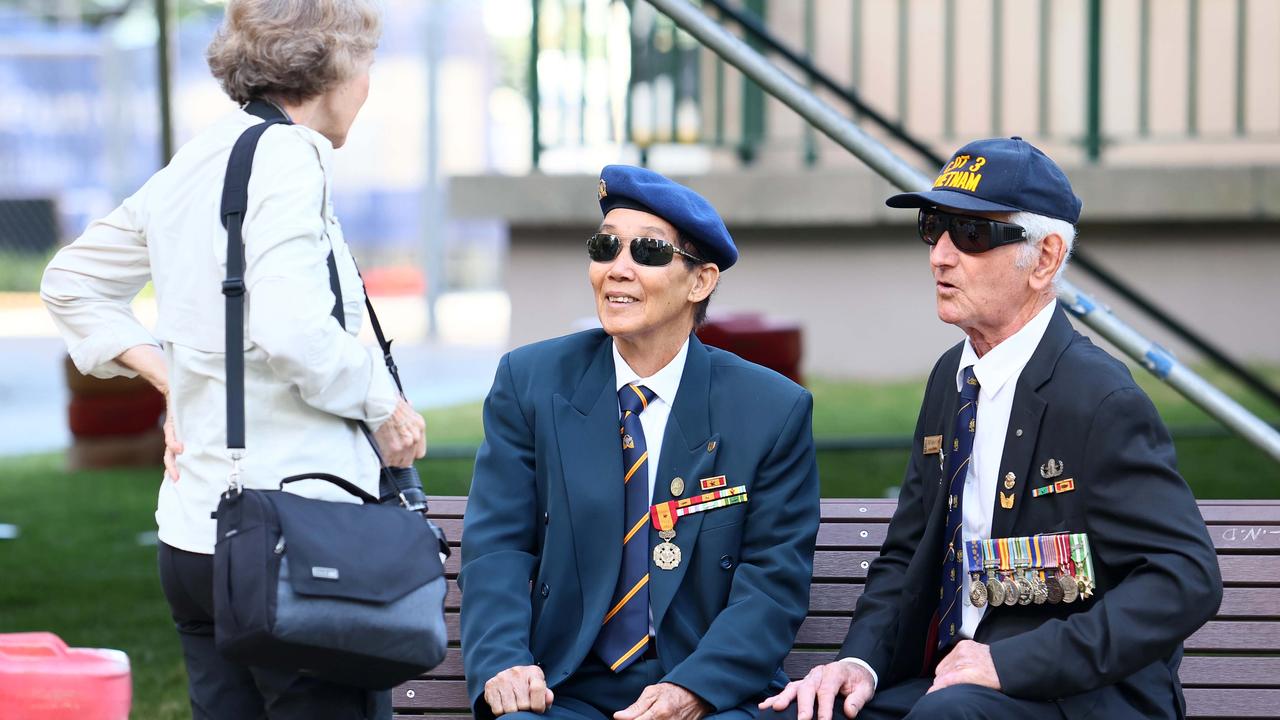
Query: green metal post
[(810, 31), (535, 97), (1144, 70), (949, 69), (164, 82), (582, 85), (856, 42), (1193, 51), (1093, 117), (1242, 87), (752, 99), (904, 61), (997, 67), (1042, 94)]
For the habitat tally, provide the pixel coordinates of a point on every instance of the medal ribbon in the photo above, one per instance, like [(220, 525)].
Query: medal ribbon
[(664, 515), (1064, 554), (1003, 546), (1080, 553), (974, 551)]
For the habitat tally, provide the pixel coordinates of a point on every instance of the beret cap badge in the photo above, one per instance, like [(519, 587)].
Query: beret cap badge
[(602, 192)]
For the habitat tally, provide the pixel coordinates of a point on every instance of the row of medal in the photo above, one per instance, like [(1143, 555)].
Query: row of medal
[(1053, 568)]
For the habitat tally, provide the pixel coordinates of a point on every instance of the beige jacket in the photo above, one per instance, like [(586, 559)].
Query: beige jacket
[(306, 379)]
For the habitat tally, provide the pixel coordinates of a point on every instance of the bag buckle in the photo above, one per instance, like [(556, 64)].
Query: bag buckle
[(233, 478)]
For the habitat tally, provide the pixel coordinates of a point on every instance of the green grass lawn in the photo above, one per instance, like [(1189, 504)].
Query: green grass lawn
[(78, 568)]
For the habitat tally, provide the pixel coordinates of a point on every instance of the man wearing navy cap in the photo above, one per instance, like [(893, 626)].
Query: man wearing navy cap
[(642, 517), (1045, 558)]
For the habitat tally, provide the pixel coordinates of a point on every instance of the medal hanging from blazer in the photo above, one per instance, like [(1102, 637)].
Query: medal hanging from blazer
[(1056, 568), (666, 554), (348, 592)]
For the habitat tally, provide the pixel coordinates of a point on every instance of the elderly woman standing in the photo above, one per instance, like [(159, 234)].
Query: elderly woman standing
[(306, 378)]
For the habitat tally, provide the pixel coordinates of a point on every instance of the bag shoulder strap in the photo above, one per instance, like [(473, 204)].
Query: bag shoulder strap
[(235, 202)]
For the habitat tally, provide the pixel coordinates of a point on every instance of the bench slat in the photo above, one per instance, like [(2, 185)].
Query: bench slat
[(846, 565), (1215, 636), (1196, 670), (870, 535), (1201, 702)]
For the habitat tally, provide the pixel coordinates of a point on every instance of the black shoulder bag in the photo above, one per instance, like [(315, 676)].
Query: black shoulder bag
[(351, 593)]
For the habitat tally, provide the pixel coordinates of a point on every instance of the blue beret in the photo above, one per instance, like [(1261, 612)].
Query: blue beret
[(999, 175), (624, 186)]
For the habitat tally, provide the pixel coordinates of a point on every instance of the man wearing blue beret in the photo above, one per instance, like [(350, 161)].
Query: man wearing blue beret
[(642, 518), (1045, 559)]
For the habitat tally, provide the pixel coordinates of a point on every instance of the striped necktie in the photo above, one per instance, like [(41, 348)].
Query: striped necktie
[(625, 633), (950, 612)]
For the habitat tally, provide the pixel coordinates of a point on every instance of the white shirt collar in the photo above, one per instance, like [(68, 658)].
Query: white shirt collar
[(663, 383), (1006, 360)]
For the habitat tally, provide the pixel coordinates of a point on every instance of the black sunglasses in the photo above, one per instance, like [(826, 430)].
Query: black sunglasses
[(652, 252), (968, 233)]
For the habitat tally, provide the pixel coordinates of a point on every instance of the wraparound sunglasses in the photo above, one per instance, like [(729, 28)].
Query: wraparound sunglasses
[(968, 233), (651, 252)]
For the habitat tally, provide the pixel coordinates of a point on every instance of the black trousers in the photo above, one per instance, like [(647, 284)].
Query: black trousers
[(958, 702), (225, 690)]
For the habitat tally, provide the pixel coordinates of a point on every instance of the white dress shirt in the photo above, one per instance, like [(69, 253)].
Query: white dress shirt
[(305, 378), (664, 384), (997, 372)]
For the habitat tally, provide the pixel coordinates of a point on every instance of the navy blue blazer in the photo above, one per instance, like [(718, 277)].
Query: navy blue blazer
[(1116, 654), (544, 521)]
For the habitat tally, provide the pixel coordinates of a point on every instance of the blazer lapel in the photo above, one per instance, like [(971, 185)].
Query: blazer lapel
[(689, 451), (1025, 416), (591, 456), (935, 497)]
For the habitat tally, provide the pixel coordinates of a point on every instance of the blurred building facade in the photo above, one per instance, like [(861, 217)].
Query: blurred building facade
[(474, 160)]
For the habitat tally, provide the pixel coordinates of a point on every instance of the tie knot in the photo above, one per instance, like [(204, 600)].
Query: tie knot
[(634, 398), (969, 384)]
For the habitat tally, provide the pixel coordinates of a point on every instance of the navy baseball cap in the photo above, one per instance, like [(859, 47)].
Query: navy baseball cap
[(635, 188), (999, 175)]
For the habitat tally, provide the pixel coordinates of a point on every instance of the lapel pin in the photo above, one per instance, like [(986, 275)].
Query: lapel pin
[(1006, 501), (711, 446), (1051, 469), (932, 444), (712, 483), (1009, 481)]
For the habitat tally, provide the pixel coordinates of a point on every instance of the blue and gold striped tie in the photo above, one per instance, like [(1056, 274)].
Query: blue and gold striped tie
[(626, 626), (950, 612)]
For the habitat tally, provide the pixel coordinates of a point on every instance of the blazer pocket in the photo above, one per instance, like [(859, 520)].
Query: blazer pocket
[(724, 517)]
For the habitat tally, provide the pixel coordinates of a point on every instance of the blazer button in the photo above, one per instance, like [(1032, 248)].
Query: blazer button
[(726, 561), (545, 590), (546, 518)]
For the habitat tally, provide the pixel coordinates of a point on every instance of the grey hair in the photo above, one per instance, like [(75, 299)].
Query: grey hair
[(1038, 228), (292, 50)]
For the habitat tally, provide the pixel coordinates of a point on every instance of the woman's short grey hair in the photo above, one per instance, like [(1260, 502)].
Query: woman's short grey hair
[(1038, 228), (291, 50)]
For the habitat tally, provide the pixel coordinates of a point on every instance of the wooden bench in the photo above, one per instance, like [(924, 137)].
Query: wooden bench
[(1231, 670)]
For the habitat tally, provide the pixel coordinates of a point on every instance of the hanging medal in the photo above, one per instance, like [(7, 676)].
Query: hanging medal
[(977, 591), (1021, 563), (666, 554), (1039, 594), (1049, 551), (990, 561), (1084, 564), (1070, 588), (1006, 569)]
